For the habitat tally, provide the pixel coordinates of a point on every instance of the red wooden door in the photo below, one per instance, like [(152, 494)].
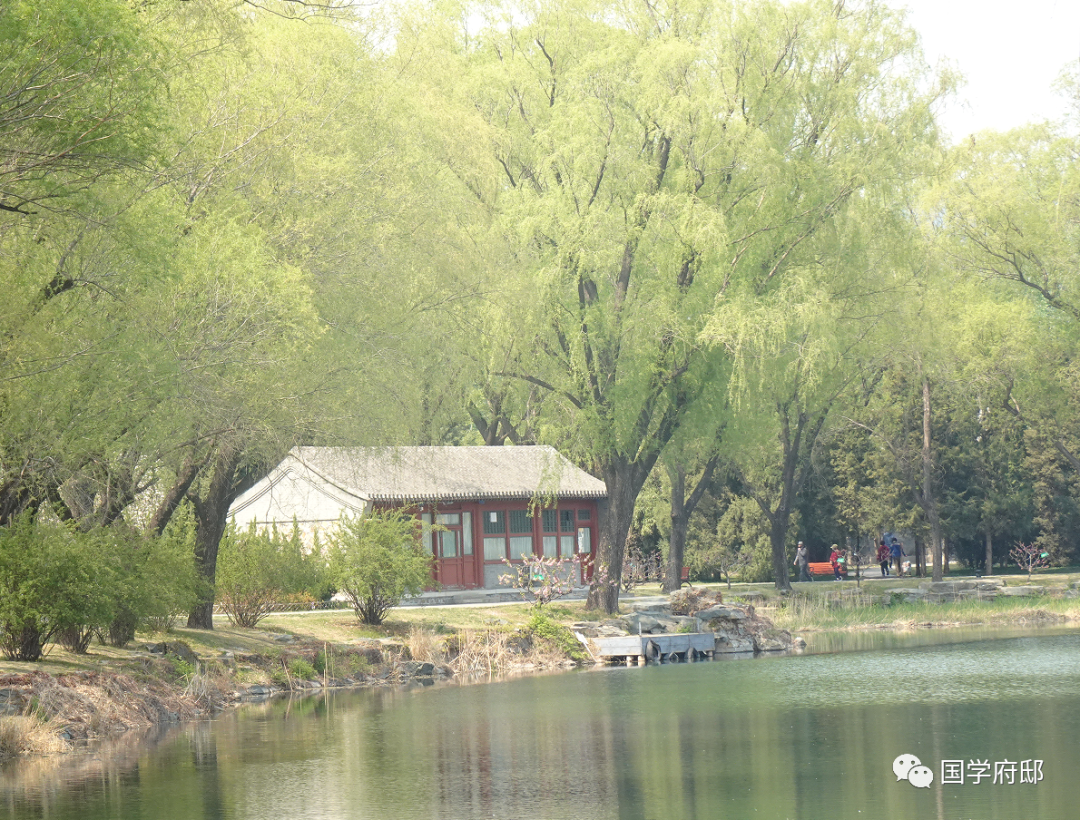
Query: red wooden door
[(454, 550)]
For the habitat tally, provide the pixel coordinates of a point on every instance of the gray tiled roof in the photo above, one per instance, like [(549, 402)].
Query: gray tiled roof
[(446, 473)]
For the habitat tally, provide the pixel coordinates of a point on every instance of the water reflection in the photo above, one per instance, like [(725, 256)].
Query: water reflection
[(802, 737)]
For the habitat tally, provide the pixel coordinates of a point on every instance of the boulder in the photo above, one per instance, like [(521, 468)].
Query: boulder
[(418, 669), (720, 612), (772, 640), (255, 691), (605, 629), (979, 594), (727, 643), (947, 587), (1022, 592), (909, 593), (182, 651), (645, 623)]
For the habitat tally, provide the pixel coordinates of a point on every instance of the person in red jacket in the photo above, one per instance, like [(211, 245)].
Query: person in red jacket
[(883, 558), (834, 559)]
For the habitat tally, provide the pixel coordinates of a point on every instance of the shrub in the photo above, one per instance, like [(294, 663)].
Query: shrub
[(53, 579), (162, 580), (257, 569), (556, 635), (300, 668), (376, 559)]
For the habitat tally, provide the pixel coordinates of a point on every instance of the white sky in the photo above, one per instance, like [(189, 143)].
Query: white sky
[(1009, 52)]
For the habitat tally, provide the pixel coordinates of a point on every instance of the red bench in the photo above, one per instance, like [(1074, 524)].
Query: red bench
[(824, 568)]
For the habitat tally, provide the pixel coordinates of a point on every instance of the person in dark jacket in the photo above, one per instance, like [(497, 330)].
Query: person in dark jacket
[(802, 562)]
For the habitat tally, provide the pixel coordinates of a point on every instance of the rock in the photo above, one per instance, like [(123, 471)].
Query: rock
[(947, 587), (640, 623), (418, 669), (772, 640), (606, 629), (254, 691), (1022, 592), (980, 593), (909, 593), (182, 651), (728, 643), (940, 597), (727, 613), (652, 607)]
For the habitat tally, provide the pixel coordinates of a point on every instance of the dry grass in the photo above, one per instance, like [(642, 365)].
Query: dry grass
[(29, 735), (821, 613), (484, 652)]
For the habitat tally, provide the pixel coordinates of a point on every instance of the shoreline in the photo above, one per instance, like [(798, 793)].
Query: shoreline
[(116, 692)]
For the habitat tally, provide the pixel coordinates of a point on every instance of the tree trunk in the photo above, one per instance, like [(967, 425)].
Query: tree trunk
[(989, 569), (616, 516), (778, 528), (186, 476), (681, 510), (929, 504), (679, 526), (211, 518), (790, 483)]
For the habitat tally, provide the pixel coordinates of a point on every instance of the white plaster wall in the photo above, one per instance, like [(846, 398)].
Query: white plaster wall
[(291, 491)]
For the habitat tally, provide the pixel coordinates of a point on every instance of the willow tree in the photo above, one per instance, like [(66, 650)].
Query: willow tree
[(1010, 226), (645, 162)]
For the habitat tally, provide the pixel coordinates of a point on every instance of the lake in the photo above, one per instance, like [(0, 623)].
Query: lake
[(992, 717)]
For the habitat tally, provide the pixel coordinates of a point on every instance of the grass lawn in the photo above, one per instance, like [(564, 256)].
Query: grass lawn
[(822, 605)]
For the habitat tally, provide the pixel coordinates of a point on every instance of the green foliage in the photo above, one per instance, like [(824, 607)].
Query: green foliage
[(542, 628), (279, 677), (743, 533), (183, 670), (258, 569), (53, 579), (300, 668), (376, 559), (667, 184), (84, 75), (164, 582)]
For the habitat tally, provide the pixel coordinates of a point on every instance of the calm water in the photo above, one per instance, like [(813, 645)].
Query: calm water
[(811, 736)]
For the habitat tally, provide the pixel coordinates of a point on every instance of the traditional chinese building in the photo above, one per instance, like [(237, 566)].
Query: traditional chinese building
[(491, 504)]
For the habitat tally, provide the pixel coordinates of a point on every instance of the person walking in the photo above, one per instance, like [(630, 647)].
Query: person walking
[(802, 562), (897, 553), (883, 558)]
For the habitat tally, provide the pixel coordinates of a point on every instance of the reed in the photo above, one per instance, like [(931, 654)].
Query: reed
[(28, 734), (823, 613)]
